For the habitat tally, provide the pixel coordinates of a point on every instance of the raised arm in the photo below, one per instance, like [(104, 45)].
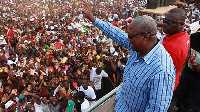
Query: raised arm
[(111, 31), (26, 93)]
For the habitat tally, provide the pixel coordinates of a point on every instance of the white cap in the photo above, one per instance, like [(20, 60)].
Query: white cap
[(112, 49), (110, 20), (9, 104), (116, 16), (32, 19), (26, 41), (115, 54)]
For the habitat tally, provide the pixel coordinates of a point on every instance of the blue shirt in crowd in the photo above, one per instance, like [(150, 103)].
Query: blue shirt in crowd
[(148, 83)]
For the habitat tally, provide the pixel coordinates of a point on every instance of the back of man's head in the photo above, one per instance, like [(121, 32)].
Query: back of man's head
[(146, 24), (98, 70)]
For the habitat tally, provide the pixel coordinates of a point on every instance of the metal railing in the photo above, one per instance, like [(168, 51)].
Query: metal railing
[(103, 100)]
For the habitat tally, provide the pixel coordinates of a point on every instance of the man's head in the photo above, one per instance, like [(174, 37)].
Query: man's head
[(54, 101), (174, 21), (98, 70), (1, 51), (66, 84), (142, 33), (63, 102), (30, 107), (85, 84), (6, 88), (44, 100), (81, 96), (78, 82)]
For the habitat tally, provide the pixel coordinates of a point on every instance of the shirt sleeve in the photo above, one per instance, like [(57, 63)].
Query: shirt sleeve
[(91, 74), (104, 74), (118, 93), (113, 32), (161, 91), (93, 95)]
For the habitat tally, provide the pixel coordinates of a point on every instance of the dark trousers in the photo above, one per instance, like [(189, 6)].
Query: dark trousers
[(99, 94), (189, 92), (173, 101), (107, 85)]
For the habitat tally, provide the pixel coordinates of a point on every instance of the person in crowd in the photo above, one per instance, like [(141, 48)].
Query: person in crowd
[(173, 26), (89, 91), (149, 70), (84, 102), (188, 94), (96, 75)]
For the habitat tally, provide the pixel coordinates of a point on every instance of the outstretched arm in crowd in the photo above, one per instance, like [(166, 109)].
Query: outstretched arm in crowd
[(26, 93), (111, 31), (11, 49), (38, 62), (90, 62), (66, 94), (11, 76), (6, 99), (3, 58)]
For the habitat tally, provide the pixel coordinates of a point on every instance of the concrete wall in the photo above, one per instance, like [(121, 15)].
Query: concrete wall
[(108, 106)]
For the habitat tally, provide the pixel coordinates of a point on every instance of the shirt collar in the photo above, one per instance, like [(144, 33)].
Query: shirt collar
[(149, 57), (177, 35)]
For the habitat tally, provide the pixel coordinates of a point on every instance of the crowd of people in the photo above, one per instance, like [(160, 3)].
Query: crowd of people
[(53, 59)]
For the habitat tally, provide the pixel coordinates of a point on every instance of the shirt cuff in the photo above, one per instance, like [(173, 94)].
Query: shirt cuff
[(96, 21)]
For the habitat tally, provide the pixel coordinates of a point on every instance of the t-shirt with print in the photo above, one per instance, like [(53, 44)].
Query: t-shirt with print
[(96, 79), (89, 93)]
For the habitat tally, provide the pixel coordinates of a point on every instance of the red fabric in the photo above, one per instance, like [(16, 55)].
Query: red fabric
[(31, 39), (68, 7), (114, 23), (10, 33), (40, 31), (6, 1), (48, 20), (75, 85), (177, 46), (58, 16), (127, 27), (58, 45), (117, 11)]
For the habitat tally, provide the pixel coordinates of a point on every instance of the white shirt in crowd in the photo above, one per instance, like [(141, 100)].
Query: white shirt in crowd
[(160, 36), (85, 105), (41, 108), (89, 93), (96, 79)]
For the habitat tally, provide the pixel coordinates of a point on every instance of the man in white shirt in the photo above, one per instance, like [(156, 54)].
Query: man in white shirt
[(84, 102), (89, 91), (96, 75)]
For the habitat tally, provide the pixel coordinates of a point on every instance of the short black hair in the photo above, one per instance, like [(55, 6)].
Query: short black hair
[(63, 99), (5, 84), (181, 13), (98, 70), (65, 81)]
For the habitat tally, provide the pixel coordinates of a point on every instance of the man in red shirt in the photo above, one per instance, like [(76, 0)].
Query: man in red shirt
[(177, 40)]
